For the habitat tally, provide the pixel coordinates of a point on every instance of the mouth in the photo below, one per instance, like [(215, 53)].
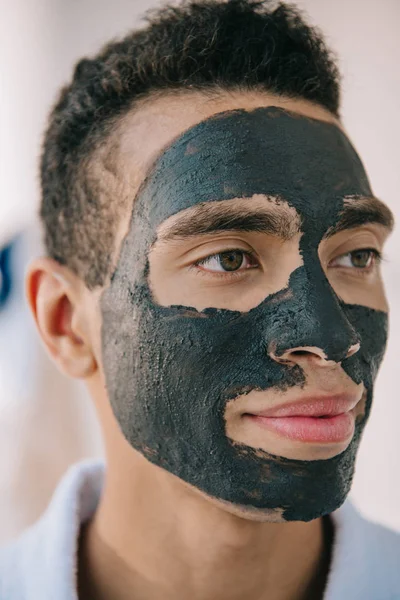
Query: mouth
[(323, 420)]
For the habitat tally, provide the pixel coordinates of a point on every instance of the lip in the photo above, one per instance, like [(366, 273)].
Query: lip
[(316, 406), (323, 419)]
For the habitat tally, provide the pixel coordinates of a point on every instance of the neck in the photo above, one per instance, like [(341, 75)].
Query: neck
[(154, 537)]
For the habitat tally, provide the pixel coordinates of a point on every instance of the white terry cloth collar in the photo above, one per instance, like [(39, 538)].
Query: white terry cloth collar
[(42, 563)]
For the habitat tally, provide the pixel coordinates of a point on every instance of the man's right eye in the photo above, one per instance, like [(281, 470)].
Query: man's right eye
[(228, 261)]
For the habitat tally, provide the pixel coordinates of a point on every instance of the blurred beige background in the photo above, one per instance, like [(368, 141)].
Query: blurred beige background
[(46, 421)]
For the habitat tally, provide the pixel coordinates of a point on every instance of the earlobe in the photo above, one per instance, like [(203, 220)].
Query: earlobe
[(54, 295)]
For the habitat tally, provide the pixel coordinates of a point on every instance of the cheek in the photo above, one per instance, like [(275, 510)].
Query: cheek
[(366, 291), (163, 278)]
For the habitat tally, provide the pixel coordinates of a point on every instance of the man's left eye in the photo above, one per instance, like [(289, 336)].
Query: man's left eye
[(229, 261), (364, 258)]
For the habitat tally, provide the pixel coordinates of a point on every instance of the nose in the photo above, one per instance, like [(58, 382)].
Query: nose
[(297, 355), (313, 323)]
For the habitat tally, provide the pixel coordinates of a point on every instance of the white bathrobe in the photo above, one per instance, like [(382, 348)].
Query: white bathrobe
[(42, 563)]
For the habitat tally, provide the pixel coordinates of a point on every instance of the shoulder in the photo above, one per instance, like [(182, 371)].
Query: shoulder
[(366, 558), (15, 564), (43, 558)]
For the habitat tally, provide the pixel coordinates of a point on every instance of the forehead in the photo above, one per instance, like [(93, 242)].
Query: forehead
[(159, 119), (306, 162)]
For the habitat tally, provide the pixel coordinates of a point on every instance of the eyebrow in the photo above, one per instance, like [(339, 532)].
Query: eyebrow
[(360, 210), (206, 219), (215, 217)]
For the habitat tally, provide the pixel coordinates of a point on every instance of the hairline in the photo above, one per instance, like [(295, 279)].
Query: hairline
[(110, 140)]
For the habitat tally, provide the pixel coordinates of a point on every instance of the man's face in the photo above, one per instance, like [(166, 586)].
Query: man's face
[(246, 319)]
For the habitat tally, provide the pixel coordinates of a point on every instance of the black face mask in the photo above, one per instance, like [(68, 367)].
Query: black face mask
[(170, 371)]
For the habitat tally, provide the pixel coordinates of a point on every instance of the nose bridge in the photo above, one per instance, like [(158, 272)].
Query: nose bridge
[(314, 318)]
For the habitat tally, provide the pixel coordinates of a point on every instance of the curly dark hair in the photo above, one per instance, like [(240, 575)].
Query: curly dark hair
[(199, 45)]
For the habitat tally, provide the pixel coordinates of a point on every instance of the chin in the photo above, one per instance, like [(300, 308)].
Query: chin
[(248, 513)]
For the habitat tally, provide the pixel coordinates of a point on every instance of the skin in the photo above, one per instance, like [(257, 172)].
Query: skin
[(153, 535)]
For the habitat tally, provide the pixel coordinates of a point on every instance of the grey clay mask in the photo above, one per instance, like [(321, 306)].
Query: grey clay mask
[(171, 370)]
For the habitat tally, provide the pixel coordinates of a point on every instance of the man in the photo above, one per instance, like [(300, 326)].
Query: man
[(213, 277)]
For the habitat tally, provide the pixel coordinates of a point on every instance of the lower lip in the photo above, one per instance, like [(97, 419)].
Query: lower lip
[(335, 429)]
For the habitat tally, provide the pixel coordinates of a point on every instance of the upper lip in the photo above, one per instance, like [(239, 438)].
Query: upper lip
[(315, 406)]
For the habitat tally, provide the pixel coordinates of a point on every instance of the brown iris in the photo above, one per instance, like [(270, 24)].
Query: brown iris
[(231, 260), (361, 258)]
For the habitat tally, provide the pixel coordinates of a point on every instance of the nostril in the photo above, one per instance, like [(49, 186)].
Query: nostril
[(353, 350), (299, 354)]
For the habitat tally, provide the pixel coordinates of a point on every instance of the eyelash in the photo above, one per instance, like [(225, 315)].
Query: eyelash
[(364, 271), (224, 274), (358, 271)]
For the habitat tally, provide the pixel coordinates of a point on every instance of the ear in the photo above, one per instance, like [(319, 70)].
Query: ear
[(56, 297)]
